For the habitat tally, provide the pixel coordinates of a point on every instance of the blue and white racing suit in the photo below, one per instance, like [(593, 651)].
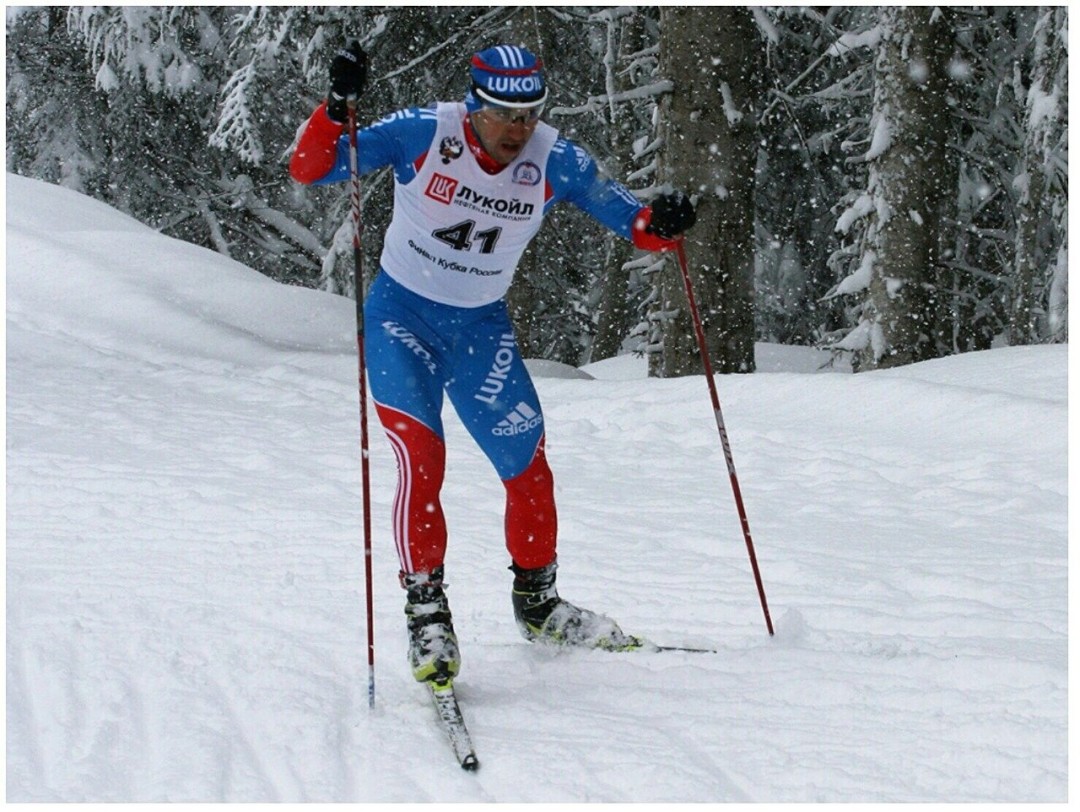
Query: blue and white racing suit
[(436, 320)]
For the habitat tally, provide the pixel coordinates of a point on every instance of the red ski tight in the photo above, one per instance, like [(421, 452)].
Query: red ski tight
[(419, 523)]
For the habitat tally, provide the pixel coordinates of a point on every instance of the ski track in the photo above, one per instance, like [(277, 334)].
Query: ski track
[(231, 655), (185, 582)]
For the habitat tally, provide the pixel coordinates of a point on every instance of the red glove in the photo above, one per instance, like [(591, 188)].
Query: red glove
[(644, 238), (317, 150)]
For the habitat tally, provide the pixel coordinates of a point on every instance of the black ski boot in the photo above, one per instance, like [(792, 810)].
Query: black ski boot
[(433, 646), (543, 616)]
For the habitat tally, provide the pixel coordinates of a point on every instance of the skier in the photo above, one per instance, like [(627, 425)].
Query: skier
[(472, 182)]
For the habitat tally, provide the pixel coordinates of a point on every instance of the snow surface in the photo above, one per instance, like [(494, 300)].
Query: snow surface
[(185, 612)]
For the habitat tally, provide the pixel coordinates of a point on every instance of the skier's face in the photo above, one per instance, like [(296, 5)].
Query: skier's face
[(505, 131)]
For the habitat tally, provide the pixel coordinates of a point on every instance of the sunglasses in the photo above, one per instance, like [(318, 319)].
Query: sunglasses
[(511, 115)]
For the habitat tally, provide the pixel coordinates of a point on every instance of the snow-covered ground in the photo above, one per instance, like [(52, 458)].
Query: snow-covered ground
[(185, 605)]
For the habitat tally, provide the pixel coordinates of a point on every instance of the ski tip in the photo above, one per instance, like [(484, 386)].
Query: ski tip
[(470, 763)]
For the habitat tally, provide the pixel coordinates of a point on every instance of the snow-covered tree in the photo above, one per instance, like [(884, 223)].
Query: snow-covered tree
[(911, 181), (1038, 307), (813, 98), (56, 117), (976, 287), (709, 149), (184, 117)]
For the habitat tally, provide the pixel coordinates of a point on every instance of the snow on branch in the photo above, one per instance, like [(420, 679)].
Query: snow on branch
[(863, 205), (731, 113), (141, 44), (236, 128), (480, 23), (594, 103), (881, 137), (244, 191), (855, 282), (858, 339), (765, 25), (612, 14), (851, 41), (645, 172)]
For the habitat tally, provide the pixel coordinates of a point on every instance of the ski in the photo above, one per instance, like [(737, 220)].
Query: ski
[(449, 712), (648, 647), (645, 647)]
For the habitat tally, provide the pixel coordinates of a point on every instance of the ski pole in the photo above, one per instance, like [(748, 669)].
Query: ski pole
[(365, 471), (700, 331)]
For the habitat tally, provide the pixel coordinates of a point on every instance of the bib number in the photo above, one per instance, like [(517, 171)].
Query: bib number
[(461, 237)]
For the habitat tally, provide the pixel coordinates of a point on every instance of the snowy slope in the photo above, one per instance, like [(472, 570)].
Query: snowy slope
[(185, 575)]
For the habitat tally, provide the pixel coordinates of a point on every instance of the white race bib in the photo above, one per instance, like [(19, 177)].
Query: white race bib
[(457, 233)]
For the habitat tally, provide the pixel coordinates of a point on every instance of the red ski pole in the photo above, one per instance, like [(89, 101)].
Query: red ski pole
[(680, 251), (365, 471)]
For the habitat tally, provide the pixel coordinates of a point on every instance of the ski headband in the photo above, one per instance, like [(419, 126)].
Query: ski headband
[(508, 76)]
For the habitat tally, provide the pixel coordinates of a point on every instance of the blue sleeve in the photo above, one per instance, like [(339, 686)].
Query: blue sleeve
[(397, 140), (575, 177)]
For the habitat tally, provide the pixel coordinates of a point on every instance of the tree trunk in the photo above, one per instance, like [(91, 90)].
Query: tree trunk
[(1045, 123), (911, 181), (614, 319), (710, 145)]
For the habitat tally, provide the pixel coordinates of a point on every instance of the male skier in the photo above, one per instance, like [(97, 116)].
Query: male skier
[(472, 183)]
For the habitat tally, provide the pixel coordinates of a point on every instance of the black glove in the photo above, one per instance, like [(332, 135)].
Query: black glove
[(348, 75), (672, 214)]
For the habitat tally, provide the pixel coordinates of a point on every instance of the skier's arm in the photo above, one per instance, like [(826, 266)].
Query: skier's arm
[(316, 152), (322, 151), (399, 140), (574, 177)]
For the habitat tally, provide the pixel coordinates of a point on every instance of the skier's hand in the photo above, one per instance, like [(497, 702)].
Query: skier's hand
[(348, 75), (672, 214)]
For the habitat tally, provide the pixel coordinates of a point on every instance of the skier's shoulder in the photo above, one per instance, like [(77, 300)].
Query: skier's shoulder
[(567, 154), (407, 120), (571, 168), (400, 137), (577, 177)]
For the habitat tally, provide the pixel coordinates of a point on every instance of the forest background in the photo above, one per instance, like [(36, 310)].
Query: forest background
[(889, 182)]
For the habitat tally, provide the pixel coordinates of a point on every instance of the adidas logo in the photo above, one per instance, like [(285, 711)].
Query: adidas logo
[(520, 420)]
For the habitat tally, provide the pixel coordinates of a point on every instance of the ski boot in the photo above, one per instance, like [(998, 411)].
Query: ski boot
[(543, 616), (433, 646)]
